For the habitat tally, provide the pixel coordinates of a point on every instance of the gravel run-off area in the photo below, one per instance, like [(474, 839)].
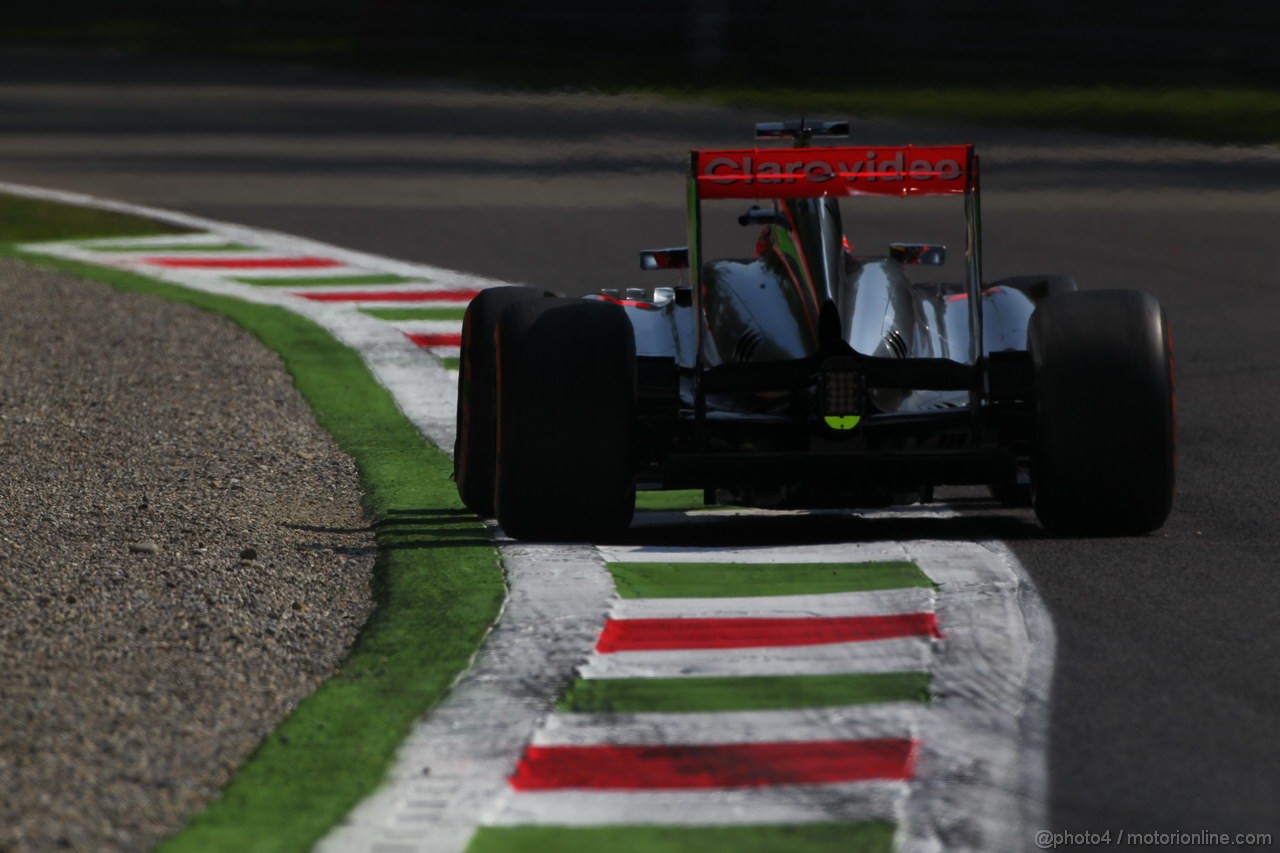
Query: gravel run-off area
[(183, 557)]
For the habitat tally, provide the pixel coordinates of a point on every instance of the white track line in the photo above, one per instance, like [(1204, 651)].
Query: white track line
[(982, 776)]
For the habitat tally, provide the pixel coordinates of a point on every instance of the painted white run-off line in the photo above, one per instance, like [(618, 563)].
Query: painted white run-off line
[(981, 776)]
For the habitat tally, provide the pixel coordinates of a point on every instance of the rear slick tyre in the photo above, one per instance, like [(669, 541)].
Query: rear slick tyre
[(1105, 413), (566, 419), (475, 442)]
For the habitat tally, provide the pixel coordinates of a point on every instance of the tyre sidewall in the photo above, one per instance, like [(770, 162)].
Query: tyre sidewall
[(1104, 461), (566, 420), (475, 441)]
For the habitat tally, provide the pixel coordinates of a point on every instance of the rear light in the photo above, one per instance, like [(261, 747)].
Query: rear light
[(842, 394)]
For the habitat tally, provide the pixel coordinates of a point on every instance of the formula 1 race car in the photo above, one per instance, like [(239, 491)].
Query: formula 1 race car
[(807, 375)]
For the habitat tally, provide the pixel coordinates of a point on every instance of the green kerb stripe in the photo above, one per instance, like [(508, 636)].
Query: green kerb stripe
[(451, 363), (168, 248), (682, 500), (416, 313), (731, 580), (742, 693), (347, 280), (865, 837)]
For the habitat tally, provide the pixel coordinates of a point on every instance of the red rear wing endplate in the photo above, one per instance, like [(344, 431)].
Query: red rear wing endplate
[(907, 170)]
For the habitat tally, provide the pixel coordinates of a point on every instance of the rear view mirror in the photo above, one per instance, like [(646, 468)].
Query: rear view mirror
[(665, 259), (918, 253)]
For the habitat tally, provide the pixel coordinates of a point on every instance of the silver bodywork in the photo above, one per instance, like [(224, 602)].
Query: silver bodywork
[(808, 375), (757, 314)]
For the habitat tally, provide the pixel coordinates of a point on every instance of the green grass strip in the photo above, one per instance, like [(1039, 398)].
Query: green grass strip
[(741, 693), (416, 313), (437, 586), (451, 363), (310, 280), (29, 220), (732, 580), (864, 837), (168, 248)]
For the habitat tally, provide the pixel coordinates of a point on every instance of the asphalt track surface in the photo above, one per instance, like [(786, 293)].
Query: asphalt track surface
[(1166, 702)]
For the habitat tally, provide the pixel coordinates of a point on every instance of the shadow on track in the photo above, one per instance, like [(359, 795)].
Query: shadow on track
[(721, 529)]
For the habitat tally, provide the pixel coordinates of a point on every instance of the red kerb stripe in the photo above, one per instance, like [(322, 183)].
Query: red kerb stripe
[(746, 765), (443, 339), (634, 635), (244, 263), (390, 295)]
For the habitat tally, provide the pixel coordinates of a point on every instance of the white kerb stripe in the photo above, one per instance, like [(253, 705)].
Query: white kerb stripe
[(847, 552), (839, 604), (429, 327), (906, 654), (848, 722), (397, 287), (847, 801), (176, 241), (138, 257), (366, 304)]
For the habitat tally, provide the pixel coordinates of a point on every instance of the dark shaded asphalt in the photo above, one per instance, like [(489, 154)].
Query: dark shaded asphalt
[(1166, 711)]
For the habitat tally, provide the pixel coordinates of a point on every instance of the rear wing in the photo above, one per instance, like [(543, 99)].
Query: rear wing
[(792, 174), (909, 170)]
